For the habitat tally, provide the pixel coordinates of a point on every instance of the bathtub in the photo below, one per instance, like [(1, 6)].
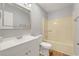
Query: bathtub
[(62, 47)]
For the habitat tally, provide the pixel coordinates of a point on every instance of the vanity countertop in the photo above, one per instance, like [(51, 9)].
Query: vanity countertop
[(14, 41)]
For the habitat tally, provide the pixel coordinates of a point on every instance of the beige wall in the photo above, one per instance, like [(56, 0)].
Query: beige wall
[(45, 29)]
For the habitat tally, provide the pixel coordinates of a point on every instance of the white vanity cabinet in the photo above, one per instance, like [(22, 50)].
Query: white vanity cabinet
[(30, 48)]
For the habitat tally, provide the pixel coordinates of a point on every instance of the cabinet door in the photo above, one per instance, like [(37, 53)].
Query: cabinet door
[(15, 51), (35, 45), (0, 18)]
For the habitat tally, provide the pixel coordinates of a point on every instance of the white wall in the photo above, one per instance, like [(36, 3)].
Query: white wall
[(75, 15), (61, 13), (75, 10), (37, 16), (13, 32)]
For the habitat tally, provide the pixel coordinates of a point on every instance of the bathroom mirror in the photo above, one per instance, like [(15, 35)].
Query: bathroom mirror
[(14, 17)]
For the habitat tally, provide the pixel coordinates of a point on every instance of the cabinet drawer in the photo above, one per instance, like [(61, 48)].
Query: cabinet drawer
[(14, 50)]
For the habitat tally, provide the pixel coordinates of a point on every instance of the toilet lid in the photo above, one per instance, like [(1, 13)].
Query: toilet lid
[(46, 45)]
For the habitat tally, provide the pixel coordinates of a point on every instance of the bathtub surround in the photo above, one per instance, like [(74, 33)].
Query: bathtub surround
[(60, 31)]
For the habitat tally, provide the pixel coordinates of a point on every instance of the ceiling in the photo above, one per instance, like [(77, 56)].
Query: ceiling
[(50, 7)]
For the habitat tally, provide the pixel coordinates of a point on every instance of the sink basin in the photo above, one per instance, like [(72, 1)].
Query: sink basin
[(19, 37)]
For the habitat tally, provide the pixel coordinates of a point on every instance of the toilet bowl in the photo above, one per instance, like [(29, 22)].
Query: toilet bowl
[(44, 48)]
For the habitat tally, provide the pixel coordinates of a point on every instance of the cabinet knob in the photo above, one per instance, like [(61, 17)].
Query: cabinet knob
[(26, 53), (29, 51), (77, 43)]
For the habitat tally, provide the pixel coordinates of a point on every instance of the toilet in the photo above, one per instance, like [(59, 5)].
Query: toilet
[(44, 48)]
